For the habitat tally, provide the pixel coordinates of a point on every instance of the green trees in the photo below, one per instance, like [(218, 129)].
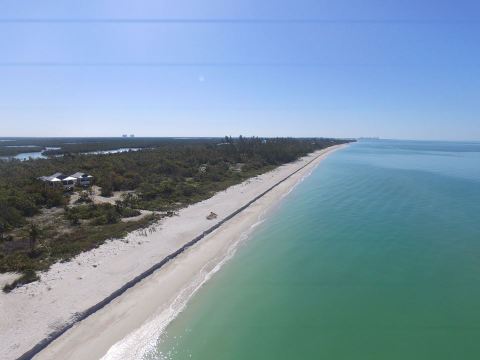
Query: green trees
[(172, 172), (52, 197), (106, 186), (10, 215)]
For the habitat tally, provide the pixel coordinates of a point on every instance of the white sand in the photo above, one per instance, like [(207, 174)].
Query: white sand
[(30, 313)]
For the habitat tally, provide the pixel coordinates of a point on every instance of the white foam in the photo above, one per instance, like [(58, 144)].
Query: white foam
[(144, 340), (299, 181)]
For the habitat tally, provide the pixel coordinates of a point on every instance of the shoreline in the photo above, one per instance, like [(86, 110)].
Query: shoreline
[(217, 238)]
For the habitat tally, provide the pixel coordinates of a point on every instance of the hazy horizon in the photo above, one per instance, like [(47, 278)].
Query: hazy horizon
[(234, 136)]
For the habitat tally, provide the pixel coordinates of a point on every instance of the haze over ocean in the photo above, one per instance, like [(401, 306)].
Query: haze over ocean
[(374, 256)]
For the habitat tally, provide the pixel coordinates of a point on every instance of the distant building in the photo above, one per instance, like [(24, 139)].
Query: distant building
[(132, 135), (124, 135)]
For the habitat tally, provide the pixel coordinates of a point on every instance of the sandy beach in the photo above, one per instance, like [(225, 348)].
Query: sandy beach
[(136, 318)]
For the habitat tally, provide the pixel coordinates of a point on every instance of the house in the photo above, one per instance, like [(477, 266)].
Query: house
[(82, 179), (54, 179), (67, 182), (59, 179), (51, 180)]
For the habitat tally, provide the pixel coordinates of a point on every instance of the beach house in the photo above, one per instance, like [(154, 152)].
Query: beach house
[(67, 182), (83, 179)]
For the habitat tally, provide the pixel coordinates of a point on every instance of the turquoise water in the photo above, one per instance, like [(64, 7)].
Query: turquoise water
[(376, 255)]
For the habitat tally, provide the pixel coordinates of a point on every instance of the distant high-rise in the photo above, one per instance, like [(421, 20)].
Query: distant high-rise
[(132, 135), (124, 135)]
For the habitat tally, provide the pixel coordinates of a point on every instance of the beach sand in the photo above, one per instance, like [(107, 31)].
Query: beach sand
[(135, 319)]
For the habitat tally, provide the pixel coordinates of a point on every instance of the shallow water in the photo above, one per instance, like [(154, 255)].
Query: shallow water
[(28, 155), (376, 255), (39, 154), (25, 156), (115, 151)]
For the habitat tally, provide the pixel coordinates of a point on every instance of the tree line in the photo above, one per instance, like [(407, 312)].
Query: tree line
[(176, 172), (162, 179)]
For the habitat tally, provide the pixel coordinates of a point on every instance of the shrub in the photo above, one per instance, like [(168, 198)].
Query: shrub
[(129, 212), (101, 220), (74, 219), (54, 197), (112, 217), (106, 190), (28, 276), (84, 198)]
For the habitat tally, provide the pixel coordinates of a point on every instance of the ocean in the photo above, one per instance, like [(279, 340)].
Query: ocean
[(375, 255)]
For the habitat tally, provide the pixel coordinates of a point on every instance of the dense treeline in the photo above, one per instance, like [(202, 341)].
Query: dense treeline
[(164, 178), (176, 172), (82, 146), (60, 146), (14, 150)]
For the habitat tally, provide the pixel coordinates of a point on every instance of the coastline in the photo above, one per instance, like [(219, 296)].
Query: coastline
[(69, 288)]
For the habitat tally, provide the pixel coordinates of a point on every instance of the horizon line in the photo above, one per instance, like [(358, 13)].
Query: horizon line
[(374, 138)]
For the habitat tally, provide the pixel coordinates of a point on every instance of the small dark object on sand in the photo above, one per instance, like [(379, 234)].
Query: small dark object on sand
[(212, 216)]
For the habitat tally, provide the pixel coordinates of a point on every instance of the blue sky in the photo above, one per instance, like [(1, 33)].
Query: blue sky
[(343, 68)]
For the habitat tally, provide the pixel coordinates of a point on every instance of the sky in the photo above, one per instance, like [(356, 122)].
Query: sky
[(342, 68)]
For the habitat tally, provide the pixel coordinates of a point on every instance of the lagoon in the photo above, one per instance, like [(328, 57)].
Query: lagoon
[(39, 154)]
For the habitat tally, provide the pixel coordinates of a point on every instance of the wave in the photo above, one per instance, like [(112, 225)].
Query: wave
[(293, 187), (143, 342)]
